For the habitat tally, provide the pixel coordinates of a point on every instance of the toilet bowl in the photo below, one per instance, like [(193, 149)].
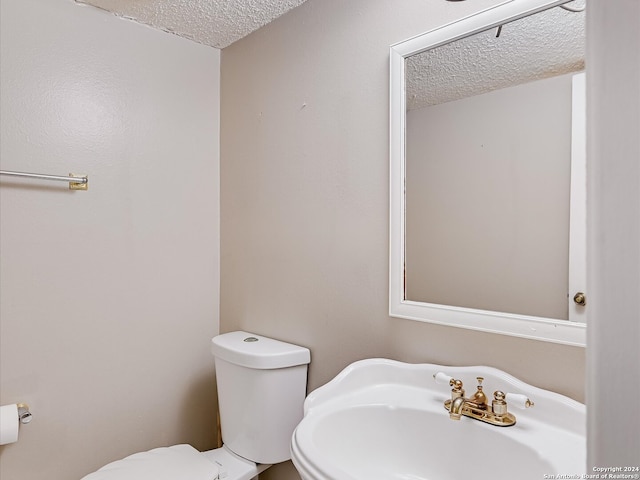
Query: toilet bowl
[(261, 391)]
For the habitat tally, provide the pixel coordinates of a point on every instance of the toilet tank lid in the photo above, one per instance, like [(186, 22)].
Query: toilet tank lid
[(255, 351)]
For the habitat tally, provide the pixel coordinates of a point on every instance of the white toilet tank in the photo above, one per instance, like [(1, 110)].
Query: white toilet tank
[(262, 385)]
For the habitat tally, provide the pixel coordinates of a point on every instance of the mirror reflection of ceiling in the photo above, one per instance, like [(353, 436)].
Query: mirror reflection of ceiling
[(217, 23), (539, 46)]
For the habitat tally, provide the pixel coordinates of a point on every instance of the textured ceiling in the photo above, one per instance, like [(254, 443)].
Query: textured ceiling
[(217, 23), (539, 46), (542, 45)]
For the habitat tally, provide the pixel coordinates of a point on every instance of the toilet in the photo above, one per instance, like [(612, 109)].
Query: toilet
[(261, 390)]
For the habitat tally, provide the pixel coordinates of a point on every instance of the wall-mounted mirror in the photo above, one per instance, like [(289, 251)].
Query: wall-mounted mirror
[(488, 181)]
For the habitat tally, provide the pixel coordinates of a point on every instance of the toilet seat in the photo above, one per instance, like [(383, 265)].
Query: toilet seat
[(166, 463), (180, 461), (232, 466)]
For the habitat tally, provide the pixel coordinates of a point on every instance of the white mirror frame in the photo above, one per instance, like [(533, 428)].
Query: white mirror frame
[(557, 331)]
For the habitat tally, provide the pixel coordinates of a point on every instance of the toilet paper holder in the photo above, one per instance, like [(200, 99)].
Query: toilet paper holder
[(24, 415)]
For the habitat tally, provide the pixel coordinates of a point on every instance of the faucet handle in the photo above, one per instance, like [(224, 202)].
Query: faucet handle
[(442, 378), (457, 390), (518, 400), (498, 405)]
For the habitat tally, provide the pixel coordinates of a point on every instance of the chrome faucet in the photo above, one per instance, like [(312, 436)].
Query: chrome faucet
[(477, 406)]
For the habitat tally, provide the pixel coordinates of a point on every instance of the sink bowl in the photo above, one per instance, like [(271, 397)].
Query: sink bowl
[(382, 419)]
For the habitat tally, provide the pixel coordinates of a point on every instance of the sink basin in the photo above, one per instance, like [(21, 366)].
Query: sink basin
[(382, 419)]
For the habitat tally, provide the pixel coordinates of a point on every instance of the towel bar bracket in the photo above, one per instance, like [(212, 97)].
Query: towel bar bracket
[(82, 184)]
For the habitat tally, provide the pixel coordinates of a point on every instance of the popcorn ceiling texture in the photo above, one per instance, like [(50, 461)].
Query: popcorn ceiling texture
[(543, 45), (539, 46), (217, 23)]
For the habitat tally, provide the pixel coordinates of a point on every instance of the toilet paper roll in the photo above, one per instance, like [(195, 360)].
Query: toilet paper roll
[(9, 424)]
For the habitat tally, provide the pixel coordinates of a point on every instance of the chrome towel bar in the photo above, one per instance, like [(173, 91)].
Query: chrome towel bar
[(76, 182)]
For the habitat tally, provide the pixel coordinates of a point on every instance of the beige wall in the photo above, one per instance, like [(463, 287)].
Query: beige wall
[(109, 297), (304, 198), (487, 195)]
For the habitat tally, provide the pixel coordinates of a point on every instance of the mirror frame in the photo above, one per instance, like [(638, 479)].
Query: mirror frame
[(538, 328)]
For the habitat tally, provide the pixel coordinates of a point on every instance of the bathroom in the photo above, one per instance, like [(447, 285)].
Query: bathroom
[(248, 188)]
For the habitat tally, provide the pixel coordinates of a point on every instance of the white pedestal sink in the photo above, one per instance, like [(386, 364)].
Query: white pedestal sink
[(382, 419)]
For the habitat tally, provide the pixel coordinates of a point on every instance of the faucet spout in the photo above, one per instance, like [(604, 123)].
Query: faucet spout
[(455, 409)]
